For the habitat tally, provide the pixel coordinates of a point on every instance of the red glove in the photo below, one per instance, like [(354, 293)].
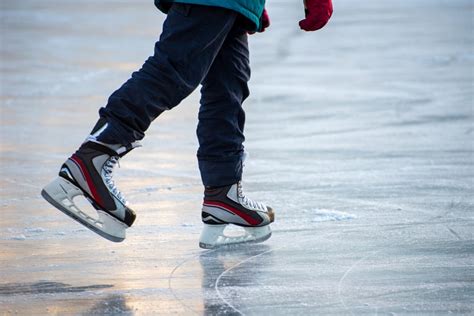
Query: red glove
[(264, 22), (318, 13)]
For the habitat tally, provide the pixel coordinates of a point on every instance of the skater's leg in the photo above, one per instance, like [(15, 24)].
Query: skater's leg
[(221, 117), (191, 38), (220, 133)]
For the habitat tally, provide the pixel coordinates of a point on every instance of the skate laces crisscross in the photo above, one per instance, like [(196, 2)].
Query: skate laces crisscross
[(249, 203), (108, 169)]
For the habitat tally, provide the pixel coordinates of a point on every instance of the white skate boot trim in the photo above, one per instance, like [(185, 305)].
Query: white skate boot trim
[(99, 131), (237, 195), (226, 214), (213, 236), (60, 193), (212, 218), (117, 147), (66, 171)]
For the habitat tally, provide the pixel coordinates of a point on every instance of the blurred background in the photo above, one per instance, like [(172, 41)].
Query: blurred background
[(360, 136)]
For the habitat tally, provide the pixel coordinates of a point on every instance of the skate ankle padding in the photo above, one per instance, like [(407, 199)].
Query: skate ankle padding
[(94, 146)]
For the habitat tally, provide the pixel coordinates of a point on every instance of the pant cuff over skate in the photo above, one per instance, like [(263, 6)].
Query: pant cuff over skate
[(220, 173), (116, 132)]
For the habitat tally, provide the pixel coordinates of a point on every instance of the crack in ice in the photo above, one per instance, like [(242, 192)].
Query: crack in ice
[(170, 278), (346, 273), (216, 284)]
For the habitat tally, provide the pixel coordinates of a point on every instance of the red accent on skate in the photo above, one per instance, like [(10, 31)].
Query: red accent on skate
[(246, 217), (92, 188)]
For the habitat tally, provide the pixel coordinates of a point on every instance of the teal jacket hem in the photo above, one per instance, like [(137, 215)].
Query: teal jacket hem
[(252, 14)]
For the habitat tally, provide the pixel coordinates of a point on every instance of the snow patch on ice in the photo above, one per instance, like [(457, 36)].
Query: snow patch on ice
[(326, 215), (150, 189), (34, 230), (19, 237)]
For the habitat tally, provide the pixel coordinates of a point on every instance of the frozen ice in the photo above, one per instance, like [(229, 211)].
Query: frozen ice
[(361, 139)]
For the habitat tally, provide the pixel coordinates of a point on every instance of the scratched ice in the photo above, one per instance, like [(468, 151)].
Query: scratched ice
[(360, 135)]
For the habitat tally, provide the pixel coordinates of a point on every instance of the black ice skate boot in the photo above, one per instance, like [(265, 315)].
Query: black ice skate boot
[(88, 172), (228, 205)]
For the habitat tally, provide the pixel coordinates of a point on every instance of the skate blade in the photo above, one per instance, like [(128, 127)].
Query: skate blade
[(213, 236), (60, 193)]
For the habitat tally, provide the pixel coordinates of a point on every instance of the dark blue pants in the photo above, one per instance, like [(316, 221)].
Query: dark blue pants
[(199, 45)]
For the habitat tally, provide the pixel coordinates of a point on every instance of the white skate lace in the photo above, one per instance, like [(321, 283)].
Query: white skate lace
[(108, 169), (249, 203)]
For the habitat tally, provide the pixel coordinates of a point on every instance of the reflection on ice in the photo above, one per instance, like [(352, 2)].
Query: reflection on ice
[(46, 287), (223, 285), (111, 305), (360, 136)]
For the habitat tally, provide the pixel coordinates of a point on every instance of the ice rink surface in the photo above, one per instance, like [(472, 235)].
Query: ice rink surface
[(360, 137)]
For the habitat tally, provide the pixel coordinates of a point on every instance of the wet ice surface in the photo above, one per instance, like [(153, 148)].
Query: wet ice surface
[(360, 136)]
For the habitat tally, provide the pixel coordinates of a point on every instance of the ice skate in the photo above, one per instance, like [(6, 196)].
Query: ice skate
[(229, 205), (88, 173)]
